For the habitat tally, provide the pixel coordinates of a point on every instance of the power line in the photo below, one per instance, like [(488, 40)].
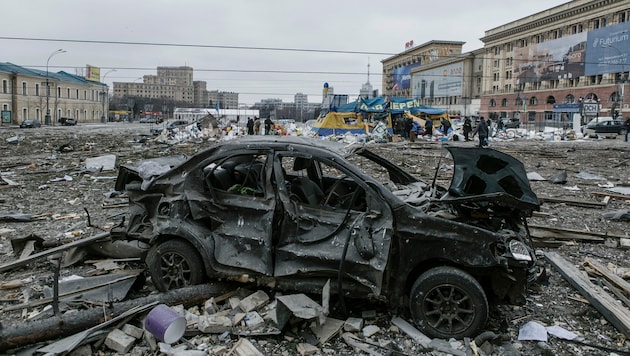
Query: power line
[(126, 43)]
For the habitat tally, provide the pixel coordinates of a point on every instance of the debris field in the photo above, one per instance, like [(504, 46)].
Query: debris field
[(57, 199)]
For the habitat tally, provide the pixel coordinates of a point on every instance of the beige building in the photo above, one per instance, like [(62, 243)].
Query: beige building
[(567, 60), (176, 84), (572, 59), (23, 96)]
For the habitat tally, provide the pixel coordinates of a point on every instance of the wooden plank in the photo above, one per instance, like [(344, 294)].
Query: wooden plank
[(52, 251), (577, 232), (602, 270), (615, 313), (612, 195), (574, 202)]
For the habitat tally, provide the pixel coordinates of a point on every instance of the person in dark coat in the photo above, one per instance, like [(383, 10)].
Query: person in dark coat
[(428, 127), (482, 130), (467, 128), (250, 126), (268, 124)]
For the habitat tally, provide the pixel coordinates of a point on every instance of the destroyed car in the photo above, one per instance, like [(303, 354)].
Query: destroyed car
[(293, 213)]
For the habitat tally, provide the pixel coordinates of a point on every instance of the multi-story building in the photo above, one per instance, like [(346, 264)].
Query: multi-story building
[(547, 68), (436, 74), (23, 96), (553, 65), (176, 84)]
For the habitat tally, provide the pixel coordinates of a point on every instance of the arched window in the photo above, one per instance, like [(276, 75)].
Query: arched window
[(504, 102), (493, 103), (569, 99), (551, 100)]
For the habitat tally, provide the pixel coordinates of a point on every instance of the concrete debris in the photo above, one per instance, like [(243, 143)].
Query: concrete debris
[(101, 163)]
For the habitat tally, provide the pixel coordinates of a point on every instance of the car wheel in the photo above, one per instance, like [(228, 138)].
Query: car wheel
[(622, 132), (446, 302), (174, 264)]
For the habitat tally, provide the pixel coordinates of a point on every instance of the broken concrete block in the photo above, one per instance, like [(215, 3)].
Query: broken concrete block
[(214, 324), (305, 349), (326, 331), (102, 163), (253, 320), (353, 324), (210, 306), (219, 350), (370, 330), (298, 305), (244, 347), (119, 341), (410, 330), (133, 331), (238, 317), (254, 301), (234, 302)]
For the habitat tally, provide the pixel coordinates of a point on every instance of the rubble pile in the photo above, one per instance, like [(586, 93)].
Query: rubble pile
[(56, 189)]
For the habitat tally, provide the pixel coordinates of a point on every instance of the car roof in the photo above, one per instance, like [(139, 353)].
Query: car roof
[(339, 148)]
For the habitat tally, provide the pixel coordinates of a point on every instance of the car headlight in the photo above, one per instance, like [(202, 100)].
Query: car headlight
[(520, 251)]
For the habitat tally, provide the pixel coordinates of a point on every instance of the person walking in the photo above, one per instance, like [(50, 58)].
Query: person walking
[(428, 127), (250, 126), (268, 124), (482, 131), (467, 127), (627, 125)]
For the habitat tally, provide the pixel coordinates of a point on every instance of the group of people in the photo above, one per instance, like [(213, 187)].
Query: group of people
[(253, 126)]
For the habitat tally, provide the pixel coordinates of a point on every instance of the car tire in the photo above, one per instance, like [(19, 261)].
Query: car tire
[(174, 264), (446, 302), (622, 132)]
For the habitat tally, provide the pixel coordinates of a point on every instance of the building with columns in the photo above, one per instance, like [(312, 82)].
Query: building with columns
[(543, 68), (23, 96)]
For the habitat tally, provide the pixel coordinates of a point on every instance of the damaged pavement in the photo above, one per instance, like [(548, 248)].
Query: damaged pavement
[(52, 200)]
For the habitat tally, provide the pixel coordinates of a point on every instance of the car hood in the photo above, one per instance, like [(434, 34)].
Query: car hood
[(487, 174)]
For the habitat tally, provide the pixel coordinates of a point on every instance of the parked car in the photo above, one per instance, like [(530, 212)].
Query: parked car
[(149, 120), (67, 121), (605, 127), (295, 213), (170, 126), (30, 124), (511, 123)]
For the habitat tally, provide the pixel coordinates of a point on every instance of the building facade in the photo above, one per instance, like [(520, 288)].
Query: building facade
[(175, 84), (544, 69), (565, 61), (436, 74), (23, 96)]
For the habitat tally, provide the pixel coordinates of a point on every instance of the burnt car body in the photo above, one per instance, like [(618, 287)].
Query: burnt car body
[(293, 213)]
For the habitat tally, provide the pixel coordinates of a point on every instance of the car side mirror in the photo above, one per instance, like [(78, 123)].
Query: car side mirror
[(363, 241)]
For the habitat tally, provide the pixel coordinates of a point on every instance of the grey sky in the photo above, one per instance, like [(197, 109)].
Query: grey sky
[(376, 29)]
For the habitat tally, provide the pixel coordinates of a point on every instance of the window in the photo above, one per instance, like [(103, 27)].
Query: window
[(37, 89), (24, 91), (5, 86), (504, 102), (240, 175), (569, 99), (68, 93), (492, 103), (59, 92)]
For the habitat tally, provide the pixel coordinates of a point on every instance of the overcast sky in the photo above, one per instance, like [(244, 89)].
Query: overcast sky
[(259, 49)]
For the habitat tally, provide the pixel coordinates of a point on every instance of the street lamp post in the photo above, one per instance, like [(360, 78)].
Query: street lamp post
[(105, 95), (47, 120)]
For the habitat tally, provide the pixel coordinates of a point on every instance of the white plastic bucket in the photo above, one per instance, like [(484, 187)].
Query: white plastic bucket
[(165, 324)]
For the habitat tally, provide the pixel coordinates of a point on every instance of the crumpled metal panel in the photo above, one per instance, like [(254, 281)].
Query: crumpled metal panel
[(482, 171)]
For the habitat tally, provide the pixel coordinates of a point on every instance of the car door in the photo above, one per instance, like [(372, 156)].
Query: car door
[(348, 234), (239, 206)]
